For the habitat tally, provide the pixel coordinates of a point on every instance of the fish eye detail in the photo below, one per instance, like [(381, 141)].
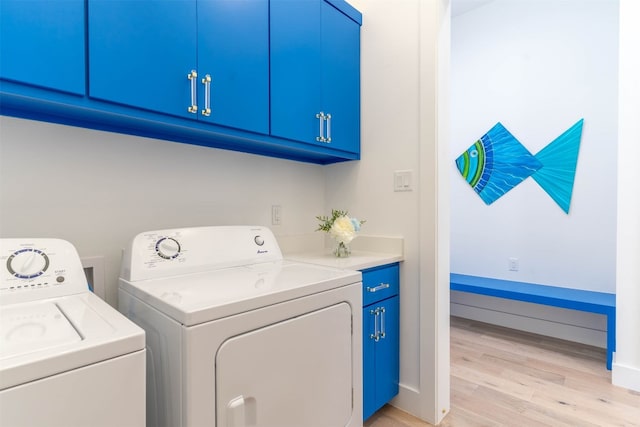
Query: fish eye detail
[(473, 153)]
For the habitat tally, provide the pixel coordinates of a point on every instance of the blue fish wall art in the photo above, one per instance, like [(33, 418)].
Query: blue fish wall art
[(498, 162)]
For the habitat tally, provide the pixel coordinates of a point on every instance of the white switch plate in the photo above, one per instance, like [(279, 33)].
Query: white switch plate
[(403, 180)]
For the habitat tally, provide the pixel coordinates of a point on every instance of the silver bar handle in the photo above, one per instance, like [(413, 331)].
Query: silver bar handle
[(375, 336), (321, 116), (380, 287), (207, 95), (328, 138), (193, 108), (383, 329)]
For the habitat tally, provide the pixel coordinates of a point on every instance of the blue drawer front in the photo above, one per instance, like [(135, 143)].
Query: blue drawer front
[(379, 283)]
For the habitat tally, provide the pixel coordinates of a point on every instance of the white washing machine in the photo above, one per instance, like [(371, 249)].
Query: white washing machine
[(67, 358), (237, 336)]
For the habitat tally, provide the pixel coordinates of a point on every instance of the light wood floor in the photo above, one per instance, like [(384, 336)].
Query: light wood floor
[(502, 377)]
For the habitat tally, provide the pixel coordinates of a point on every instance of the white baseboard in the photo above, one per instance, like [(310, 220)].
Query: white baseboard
[(625, 376), (570, 325)]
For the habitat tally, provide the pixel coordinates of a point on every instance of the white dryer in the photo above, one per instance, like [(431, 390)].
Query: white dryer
[(67, 358), (237, 336)]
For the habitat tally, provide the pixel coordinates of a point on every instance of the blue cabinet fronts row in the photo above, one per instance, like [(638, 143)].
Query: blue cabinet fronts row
[(272, 77)]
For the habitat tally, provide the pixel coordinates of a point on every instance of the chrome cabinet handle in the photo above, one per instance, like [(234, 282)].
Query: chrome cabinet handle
[(383, 329), (328, 138), (207, 95), (376, 335), (193, 108), (322, 117), (380, 287)]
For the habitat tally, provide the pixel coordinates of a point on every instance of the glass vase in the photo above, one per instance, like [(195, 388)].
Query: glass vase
[(342, 250)]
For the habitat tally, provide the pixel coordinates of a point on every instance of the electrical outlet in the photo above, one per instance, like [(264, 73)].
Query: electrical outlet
[(514, 264), (276, 215)]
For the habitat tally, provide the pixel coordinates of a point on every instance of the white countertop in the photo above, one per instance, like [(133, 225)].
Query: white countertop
[(366, 252), (358, 260)]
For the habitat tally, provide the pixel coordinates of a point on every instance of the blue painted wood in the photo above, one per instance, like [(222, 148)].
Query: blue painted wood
[(347, 9), (233, 47), (296, 62), (381, 357), (341, 78), (374, 281), (388, 354), (140, 53), (158, 43), (124, 37), (315, 67), (574, 299), (41, 42), (36, 104)]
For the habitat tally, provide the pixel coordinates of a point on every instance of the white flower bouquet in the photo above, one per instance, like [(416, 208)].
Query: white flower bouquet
[(342, 228)]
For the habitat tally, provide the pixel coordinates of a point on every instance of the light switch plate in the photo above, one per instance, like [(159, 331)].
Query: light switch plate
[(403, 180)]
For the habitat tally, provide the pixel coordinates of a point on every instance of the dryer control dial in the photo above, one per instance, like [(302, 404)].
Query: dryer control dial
[(27, 263), (168, 248)]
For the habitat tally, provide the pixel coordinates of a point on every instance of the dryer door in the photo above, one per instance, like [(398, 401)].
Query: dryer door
[(290, 374)]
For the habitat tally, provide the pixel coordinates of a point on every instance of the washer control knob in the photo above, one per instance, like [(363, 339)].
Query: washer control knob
[(168, 248), (27, 263), (259, 240)]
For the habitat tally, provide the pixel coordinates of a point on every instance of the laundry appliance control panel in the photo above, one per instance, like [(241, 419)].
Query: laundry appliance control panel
[(165, 253), (33, 269)]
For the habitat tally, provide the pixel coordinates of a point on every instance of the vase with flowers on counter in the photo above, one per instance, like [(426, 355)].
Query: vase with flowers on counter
[(342, 228)]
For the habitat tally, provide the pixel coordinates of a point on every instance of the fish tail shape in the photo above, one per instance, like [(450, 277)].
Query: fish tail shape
[(560, 159)]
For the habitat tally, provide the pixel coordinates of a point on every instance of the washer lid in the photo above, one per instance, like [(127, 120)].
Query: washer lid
[(196, 298), (34, 327), (43, 338)]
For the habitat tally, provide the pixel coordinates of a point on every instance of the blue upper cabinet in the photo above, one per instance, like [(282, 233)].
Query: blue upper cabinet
[(341, 78), (206, 59), (41, 42), (315, 73), (277, 78)]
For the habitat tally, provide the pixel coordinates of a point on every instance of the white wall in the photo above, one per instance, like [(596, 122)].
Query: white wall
[(538, 67), (99, 189), (626, 366)]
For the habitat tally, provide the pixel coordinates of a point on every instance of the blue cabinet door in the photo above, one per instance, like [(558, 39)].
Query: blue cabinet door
[(315, 68), (42, 44), (296, 60), (233, 49), (341, 78), (387, 355), (141, 52)]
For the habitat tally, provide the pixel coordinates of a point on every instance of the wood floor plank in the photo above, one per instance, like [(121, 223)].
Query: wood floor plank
[(502, 377)]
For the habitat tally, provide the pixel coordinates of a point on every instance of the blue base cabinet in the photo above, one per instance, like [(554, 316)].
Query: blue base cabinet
[(381, 332), (218, 73)]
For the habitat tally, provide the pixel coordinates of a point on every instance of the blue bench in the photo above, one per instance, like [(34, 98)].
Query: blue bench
[(574, 299)]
